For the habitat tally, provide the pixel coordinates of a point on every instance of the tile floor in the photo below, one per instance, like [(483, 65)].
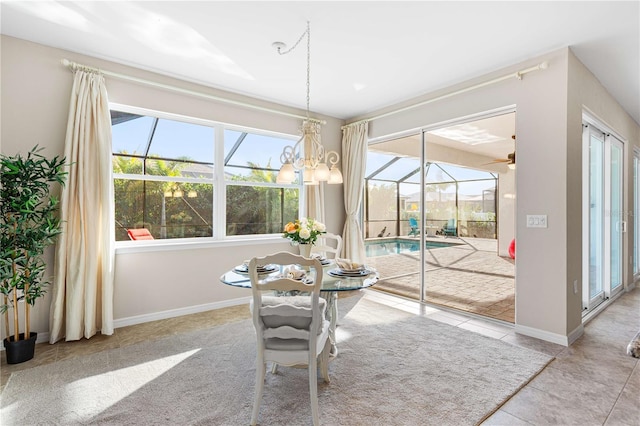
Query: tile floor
[(592, 382), (467, 276)]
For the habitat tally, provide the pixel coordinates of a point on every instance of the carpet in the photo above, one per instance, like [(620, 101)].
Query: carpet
[(393, 368)]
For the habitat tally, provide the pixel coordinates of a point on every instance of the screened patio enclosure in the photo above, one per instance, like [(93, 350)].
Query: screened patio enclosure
[(459, 201), (194, 179), (439, 214)]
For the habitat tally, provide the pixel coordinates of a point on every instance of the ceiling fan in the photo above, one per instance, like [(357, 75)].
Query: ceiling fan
[(510, 160)]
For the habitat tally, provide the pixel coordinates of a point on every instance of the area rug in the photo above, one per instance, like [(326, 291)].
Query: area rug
[(393, 368)]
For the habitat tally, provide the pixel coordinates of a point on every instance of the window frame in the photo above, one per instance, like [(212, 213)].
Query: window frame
[(218, 182)]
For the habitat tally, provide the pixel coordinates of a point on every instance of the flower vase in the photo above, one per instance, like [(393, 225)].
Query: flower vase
[(305, 251)]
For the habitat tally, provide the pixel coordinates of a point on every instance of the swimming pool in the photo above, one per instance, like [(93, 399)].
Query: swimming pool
[(397, 246)]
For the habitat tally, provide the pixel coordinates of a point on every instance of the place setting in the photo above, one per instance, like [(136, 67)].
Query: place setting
[(348, 269), (323, 260), (262, 270), (296, 274)]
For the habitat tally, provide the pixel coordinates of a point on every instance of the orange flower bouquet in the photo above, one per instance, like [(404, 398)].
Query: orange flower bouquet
[(304, 231)]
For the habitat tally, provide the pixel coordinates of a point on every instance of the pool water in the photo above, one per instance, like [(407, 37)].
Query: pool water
[(397, 246)]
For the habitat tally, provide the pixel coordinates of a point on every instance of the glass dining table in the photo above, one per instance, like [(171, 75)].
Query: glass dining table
[(332, 283)]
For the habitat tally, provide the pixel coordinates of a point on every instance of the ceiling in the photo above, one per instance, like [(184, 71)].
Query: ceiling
[(491, 137), (364, 55)]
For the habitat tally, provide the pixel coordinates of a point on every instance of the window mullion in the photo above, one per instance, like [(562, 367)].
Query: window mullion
[(219, 187)]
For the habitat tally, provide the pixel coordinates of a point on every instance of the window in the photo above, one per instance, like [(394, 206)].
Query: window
[(167, 179), (255, 203)]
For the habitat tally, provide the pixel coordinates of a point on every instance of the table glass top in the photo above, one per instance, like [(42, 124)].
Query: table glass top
[(329, 281)]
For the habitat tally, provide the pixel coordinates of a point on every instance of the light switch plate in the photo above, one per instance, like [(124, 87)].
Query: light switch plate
[(536, 221)]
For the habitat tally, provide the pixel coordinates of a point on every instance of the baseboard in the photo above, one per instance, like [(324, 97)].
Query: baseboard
[(43, 337), (550, 337), (139, 319), (576, 333)]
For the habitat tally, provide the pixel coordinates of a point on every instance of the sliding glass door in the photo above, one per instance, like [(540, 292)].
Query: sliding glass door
[(603, 213)]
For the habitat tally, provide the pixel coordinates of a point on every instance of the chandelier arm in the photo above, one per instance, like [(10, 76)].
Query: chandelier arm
[(332, 157), (287, 155)]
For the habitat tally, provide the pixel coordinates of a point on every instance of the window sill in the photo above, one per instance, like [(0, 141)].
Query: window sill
[(145, 246)]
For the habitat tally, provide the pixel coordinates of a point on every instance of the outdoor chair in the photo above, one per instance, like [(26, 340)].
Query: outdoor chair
[(413, 227), (329, 245), (139, 234), (290, 330), (450, 228)]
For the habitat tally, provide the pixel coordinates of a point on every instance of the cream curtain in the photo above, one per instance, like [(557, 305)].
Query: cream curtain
[(83, 276), (354, 163), (315, 202)]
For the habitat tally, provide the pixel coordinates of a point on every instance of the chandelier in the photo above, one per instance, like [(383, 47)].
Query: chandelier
[(308, 155)]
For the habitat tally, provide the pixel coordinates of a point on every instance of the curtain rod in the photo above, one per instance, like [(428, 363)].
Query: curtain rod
[(76, 66), (518, 74)]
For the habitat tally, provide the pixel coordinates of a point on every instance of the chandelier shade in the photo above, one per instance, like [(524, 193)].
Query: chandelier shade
[(308, 155)]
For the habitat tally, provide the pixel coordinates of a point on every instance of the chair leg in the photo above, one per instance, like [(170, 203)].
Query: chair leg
[(313, 390), (261, 368), (324, 361)]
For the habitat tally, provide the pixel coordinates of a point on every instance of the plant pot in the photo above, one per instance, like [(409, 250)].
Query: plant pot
[(22, 350)]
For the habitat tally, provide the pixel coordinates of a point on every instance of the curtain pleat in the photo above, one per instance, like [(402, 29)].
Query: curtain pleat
[(82, 301), (354, 163), (315, 202)]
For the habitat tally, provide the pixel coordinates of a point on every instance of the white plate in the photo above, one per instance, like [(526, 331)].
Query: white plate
[(351, 271), (344, 274), (267, 269)]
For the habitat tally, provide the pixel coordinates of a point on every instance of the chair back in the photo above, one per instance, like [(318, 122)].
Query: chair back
[(329, 245), (290, 329), (295, 317), (413, 222), (139, 234), (450, 228)]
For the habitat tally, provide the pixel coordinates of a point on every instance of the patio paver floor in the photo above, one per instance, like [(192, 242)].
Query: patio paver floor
[(467, 276)]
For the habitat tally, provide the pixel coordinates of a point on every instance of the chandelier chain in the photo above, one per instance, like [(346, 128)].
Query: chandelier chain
[(307, 155), (284, 52), (308, 66)]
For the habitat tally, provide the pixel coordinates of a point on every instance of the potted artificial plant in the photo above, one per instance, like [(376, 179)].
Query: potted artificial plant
[(28, 225)]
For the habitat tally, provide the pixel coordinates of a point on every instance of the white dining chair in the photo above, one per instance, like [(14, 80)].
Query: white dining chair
[(329, 245), (290, 330)]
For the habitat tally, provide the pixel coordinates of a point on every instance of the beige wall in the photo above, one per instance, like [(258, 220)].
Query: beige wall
[(153, 283), (150, 283), (586, 92), (548, 178)]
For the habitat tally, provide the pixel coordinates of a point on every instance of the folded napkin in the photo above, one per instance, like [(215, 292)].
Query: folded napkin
[(347, 264), (295, 274)]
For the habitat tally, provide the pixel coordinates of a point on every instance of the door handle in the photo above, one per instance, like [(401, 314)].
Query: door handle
[(621, 226)]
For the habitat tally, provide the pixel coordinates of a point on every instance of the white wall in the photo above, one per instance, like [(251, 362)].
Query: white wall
[(548, 123), (150, 282)]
